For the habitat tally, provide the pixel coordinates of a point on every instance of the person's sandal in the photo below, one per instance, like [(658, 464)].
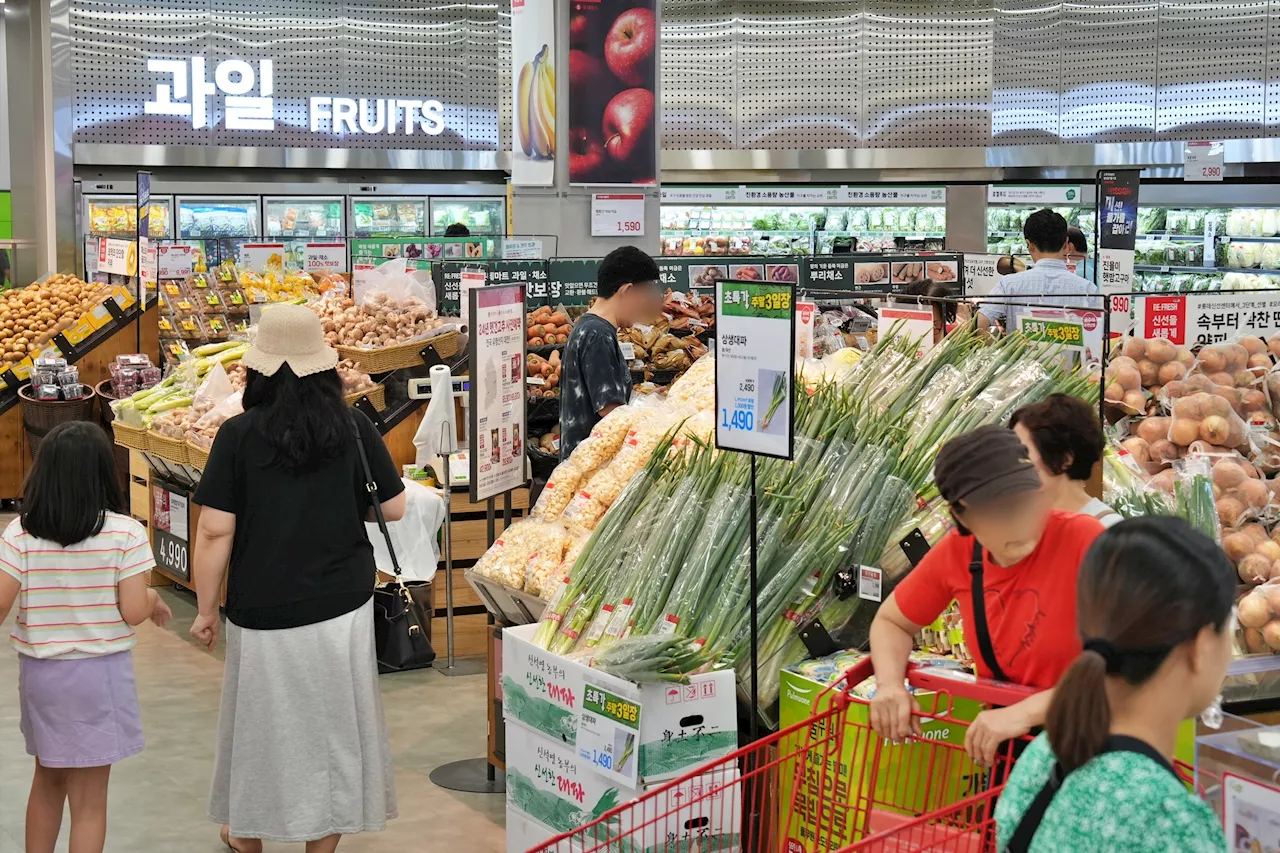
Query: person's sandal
[(226, 839)]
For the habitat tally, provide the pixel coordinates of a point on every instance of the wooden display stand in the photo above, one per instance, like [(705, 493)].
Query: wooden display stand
[(15, 455)]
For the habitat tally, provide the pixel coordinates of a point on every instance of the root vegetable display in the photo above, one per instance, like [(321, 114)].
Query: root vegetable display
[(378, 322), (30, 316), (544, 373)]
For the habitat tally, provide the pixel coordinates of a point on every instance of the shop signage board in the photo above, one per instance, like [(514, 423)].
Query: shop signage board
[(1206, 318), (170, 530), (700, 195), (420, 251), (324, 257), (829, 274), (469, 279), (517, 249), (1203, 161), (617, 214), (790, 195), (616, 106), (889, 194), (259, 257), (497, 393), (805, 312), (673, 274), (1117, 217), (533, 92), (447, 277), (173, 261), (911, 323), (1049, 195), (609, 734), (980, 276), (118, 257), (878, 194), (755, 367), (572, 281)]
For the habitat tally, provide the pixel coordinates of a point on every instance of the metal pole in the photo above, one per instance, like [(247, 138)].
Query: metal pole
[(1106, 356), (755, 615), (448, 558)]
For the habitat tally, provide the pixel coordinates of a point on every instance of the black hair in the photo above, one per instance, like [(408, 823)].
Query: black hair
[(1067, 433), (625, 265), (72, 485), (1146, 586), (1077, 240), (1046, 231), (457, 229), (934, 290), (305, 421)]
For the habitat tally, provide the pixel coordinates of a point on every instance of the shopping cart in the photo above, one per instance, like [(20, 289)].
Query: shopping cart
[(827, 784)]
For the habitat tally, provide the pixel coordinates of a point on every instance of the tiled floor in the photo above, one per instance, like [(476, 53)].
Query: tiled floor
[(158, 798)]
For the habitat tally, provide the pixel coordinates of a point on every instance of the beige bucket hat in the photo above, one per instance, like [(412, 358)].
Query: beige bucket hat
[(292, 335)]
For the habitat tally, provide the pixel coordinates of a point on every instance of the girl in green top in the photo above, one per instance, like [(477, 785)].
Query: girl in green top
[(1155, 605)]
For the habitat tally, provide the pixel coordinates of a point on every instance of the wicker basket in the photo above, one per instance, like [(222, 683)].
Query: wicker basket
[(377, 396), (172, 449), (387, 359), (130, 436), (40, 416), (197, 456)]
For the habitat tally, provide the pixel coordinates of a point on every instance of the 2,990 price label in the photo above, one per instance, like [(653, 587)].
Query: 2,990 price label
[(1203, 161), (617, 215)]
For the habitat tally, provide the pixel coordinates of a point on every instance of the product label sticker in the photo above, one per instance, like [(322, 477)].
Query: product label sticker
[(609, 734)]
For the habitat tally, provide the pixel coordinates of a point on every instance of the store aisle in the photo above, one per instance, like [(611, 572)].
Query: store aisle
[(159, 798)]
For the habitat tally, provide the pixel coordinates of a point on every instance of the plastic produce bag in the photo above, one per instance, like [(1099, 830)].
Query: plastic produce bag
[(414, 536), (508, 557), (559, 491), (1259, 619), (391, 283), (1193, 493)]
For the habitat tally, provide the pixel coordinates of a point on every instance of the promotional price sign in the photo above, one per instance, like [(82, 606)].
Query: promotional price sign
[(980, 274), (907, 322), (1203, 161), (1117, 229), (497, 394), (259, 256), (119, 257), (169, 530), (609, 734), (1207, 318), (617, 214), (755, 367), (150, 264), (805, 312), (324, 257), (173, 261)]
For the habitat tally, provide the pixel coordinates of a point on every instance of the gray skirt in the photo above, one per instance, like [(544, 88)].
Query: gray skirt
[(302, 742)]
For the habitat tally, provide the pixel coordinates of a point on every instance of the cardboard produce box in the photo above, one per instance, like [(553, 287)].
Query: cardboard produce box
[(680, 725), (554, 791)]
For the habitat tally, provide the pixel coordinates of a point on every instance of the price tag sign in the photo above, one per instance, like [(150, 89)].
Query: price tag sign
[(173, 262), (1203, 161), (617, 214), (1064, 332), (911, 323), (150, 261), (117, 256), (324, 257), (805, 312), (169, 530), (609, 734), (755, 367), (258, 257), (468, 281)]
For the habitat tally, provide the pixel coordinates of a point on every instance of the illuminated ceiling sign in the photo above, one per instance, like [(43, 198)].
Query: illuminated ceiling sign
[(187, 96)]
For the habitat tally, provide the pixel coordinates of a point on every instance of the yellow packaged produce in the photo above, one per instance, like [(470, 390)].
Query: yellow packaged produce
[(507, 558), (544, 564), (558, 491), (545, 578), (693, 386), (605, 439)]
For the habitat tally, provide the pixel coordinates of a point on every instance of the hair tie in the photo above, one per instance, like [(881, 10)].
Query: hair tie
[(1106, 650)]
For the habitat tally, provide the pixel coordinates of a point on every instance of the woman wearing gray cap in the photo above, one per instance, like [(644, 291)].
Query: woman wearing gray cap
[(1011, 563), (302, 744)]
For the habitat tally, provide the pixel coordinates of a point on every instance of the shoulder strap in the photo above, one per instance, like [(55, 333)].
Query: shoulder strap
[(1030, 823), (372, 487), (980, 627)]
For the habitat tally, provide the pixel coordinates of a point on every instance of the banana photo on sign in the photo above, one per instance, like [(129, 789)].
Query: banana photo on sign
[(533, 57)]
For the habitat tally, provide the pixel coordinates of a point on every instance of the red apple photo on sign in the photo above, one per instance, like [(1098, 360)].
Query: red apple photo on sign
[(613, 108)]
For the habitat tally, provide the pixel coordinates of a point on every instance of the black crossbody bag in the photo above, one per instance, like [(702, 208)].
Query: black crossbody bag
[(980, 628), (400, 607)]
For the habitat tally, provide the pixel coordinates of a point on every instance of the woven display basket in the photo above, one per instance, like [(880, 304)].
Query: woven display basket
[(197, 456), (377, 395), (387, 359), (40, 416), (172, 449), (129, 436)]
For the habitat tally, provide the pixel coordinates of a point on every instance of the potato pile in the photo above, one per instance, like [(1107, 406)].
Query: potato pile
[(379, 321), (549, 442), (546, 327), (545, 369), (31, 316)]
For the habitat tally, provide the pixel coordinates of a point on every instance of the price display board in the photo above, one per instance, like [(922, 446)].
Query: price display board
[(617, 214), (170, 530), (609, 734), (911, 323), (173, 261), (755, 367), (259, 257), (497, 393), (119, 257), (1203, 161), (324, 257)]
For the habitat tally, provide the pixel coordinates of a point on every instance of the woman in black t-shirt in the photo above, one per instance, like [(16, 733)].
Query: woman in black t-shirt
[(302, 747)]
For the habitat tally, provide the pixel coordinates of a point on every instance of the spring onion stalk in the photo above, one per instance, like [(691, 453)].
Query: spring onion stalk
[(776, 401)]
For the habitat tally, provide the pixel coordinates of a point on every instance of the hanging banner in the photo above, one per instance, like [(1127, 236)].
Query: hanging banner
[(147, 254), (533, 93), (1207, 318), (497, 389), (1117, 218), (613, 108), (755, 367)]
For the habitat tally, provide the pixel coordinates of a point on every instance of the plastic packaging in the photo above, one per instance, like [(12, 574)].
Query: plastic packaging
[(561, 486), (1193, 492), (1259, 619), (507, 559)]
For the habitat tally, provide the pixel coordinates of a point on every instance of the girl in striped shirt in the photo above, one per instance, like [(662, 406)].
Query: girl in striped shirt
[(77, 568)]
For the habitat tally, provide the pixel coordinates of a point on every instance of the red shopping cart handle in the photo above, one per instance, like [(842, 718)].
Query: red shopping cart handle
[(953, 682)]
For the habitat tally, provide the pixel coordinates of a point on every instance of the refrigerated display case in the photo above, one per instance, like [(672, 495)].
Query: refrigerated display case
[(388, 216), (1183, 248), (483, 215), (1004, 225), (217, 226), (297, 221), (848, 220), (117, 216)]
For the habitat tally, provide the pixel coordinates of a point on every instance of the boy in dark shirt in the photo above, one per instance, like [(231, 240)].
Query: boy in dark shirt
[(595, 379)]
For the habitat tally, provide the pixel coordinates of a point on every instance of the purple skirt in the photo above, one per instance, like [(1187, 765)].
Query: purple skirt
[(79, 713)]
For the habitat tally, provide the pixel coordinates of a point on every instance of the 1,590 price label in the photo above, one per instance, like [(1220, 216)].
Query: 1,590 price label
[(617, 215)]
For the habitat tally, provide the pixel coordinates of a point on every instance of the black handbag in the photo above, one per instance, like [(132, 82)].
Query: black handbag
[(400, 607)]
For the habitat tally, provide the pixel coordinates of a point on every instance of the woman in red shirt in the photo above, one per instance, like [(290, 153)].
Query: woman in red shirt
[(1011, 563)]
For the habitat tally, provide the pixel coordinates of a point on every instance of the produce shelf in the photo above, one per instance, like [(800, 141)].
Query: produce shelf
[(1204, 270), (1223, 238)]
